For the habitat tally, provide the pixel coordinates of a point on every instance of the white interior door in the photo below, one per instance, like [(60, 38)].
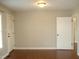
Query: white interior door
[(10, 29), (64, 33)]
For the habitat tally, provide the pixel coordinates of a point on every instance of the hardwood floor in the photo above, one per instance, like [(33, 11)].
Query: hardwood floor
[(42, 54)]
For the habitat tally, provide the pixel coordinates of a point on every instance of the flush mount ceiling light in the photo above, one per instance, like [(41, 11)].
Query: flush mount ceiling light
[(41, 3)]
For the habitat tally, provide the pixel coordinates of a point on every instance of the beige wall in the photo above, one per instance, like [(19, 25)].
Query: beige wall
[(37, 28)]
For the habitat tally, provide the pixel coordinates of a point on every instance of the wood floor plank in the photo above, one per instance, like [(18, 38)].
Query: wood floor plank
[(42, 54)]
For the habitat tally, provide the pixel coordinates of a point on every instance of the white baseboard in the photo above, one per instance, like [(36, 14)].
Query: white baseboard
[(33, 48), (78, 54), (5, 55), (39, 48)]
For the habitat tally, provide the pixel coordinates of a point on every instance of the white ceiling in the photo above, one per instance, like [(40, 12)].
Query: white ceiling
[(21, 5)]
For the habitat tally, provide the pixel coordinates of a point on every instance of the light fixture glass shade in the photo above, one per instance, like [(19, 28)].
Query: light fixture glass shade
[(41, 4)]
